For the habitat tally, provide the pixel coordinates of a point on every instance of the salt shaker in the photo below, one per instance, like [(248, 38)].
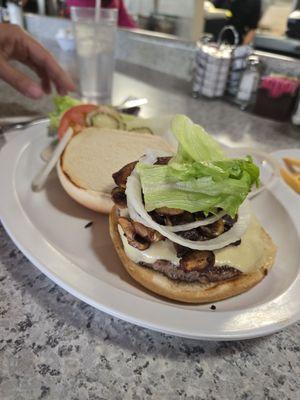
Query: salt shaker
[(249, 82)]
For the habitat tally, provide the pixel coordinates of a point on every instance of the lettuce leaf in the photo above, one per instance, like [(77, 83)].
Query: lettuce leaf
[(61, 105), (199, 177), (194, 143)]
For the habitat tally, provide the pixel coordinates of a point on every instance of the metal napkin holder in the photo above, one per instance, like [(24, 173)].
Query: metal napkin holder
[(215, 62)]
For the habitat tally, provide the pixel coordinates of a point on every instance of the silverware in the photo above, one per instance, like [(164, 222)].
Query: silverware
[(22, 125), (131, 103)]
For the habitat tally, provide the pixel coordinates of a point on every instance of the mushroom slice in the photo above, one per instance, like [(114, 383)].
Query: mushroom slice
[(141, 244), (169, 211), (182, 219), (192, 234), (162, 160), (127, 227), (148, 233), (121, 176), (197, 260), (156, 236), (140, 229), (229, 221), (119, 197), (159, 219), (133, 238), (213, 230)]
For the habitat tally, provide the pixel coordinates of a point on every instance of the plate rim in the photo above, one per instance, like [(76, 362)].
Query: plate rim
[(20, 141)]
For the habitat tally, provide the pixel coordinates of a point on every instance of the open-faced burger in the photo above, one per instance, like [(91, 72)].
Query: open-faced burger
[(182, 225)]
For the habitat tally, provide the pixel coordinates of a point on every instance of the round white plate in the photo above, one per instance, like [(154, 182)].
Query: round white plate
[(49, 228)]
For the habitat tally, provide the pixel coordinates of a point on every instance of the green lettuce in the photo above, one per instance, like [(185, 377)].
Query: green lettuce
[(61, 105), (194, 143), (199, 177)]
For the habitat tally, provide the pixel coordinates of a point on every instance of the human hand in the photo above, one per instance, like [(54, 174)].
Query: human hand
[(16, 44)]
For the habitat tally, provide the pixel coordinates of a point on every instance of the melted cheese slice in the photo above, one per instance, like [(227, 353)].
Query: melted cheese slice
[(247, 257)]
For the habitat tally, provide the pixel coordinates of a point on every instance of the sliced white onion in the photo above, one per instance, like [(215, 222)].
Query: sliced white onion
[(196, 224), (150, 157), (135, 216), (135, 202), (176, 228)]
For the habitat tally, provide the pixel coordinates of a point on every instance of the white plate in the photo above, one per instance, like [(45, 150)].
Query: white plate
[(49, 229)]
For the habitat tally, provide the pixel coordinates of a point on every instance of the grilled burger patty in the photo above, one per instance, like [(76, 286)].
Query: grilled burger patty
[(207, 275)]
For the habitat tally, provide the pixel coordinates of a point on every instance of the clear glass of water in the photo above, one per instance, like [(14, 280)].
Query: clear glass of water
[(95, 35)]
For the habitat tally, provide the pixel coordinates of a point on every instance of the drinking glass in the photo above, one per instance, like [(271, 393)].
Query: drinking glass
[(95, 36)]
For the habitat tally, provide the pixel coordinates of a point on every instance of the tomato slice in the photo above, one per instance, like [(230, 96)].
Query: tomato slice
[(75, 118)]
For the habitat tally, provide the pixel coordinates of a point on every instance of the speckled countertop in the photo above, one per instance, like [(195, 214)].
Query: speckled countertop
[(53, 346)]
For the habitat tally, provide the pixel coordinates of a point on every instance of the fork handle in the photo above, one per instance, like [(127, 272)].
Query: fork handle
[(22, 125)]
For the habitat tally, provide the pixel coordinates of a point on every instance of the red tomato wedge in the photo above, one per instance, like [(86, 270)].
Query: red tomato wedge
[(75, 118)]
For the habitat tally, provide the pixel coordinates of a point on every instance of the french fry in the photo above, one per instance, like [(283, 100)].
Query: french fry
[(292, 164), (293, 180)]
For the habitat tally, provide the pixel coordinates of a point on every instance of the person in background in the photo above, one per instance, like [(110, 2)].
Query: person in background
[(30, 6), (245, 16), (124, 19), (16, 44)]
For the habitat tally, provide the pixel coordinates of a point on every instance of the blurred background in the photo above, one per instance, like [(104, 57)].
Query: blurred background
[(278, 25)]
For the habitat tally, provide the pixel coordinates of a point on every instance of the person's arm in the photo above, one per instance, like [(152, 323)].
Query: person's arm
[(249, 37), (255, 14), (16, 44)]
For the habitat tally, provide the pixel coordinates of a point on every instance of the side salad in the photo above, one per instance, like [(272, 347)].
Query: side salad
[(70, 112)]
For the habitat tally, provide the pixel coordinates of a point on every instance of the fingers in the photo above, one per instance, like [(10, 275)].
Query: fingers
[(45, 81), (28, 51), (19, 81), (46, 85), (42, 74), (43, 59)]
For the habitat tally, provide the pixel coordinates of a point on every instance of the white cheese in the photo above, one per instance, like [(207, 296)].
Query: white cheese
[(249, 255), (246, 257)]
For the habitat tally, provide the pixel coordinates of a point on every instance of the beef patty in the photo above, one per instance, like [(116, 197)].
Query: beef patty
[(207, 275)]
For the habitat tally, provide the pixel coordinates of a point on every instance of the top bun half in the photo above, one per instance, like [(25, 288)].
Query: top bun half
[(93, 155)]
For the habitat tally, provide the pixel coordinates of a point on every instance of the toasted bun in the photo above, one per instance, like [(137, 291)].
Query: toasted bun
[(190, 292), (97, 201), (92, 156)]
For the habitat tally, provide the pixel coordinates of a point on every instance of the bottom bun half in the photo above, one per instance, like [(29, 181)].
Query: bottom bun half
[(190, 292), (97, 201)]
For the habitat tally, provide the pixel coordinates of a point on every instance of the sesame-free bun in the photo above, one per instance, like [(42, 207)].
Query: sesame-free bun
[(191, 292), (91, 157)]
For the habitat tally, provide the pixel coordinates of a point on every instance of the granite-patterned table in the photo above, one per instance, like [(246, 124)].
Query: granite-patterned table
[(53, 346)]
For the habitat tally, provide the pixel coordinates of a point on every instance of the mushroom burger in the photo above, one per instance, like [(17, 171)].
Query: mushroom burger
[(182, 225)]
